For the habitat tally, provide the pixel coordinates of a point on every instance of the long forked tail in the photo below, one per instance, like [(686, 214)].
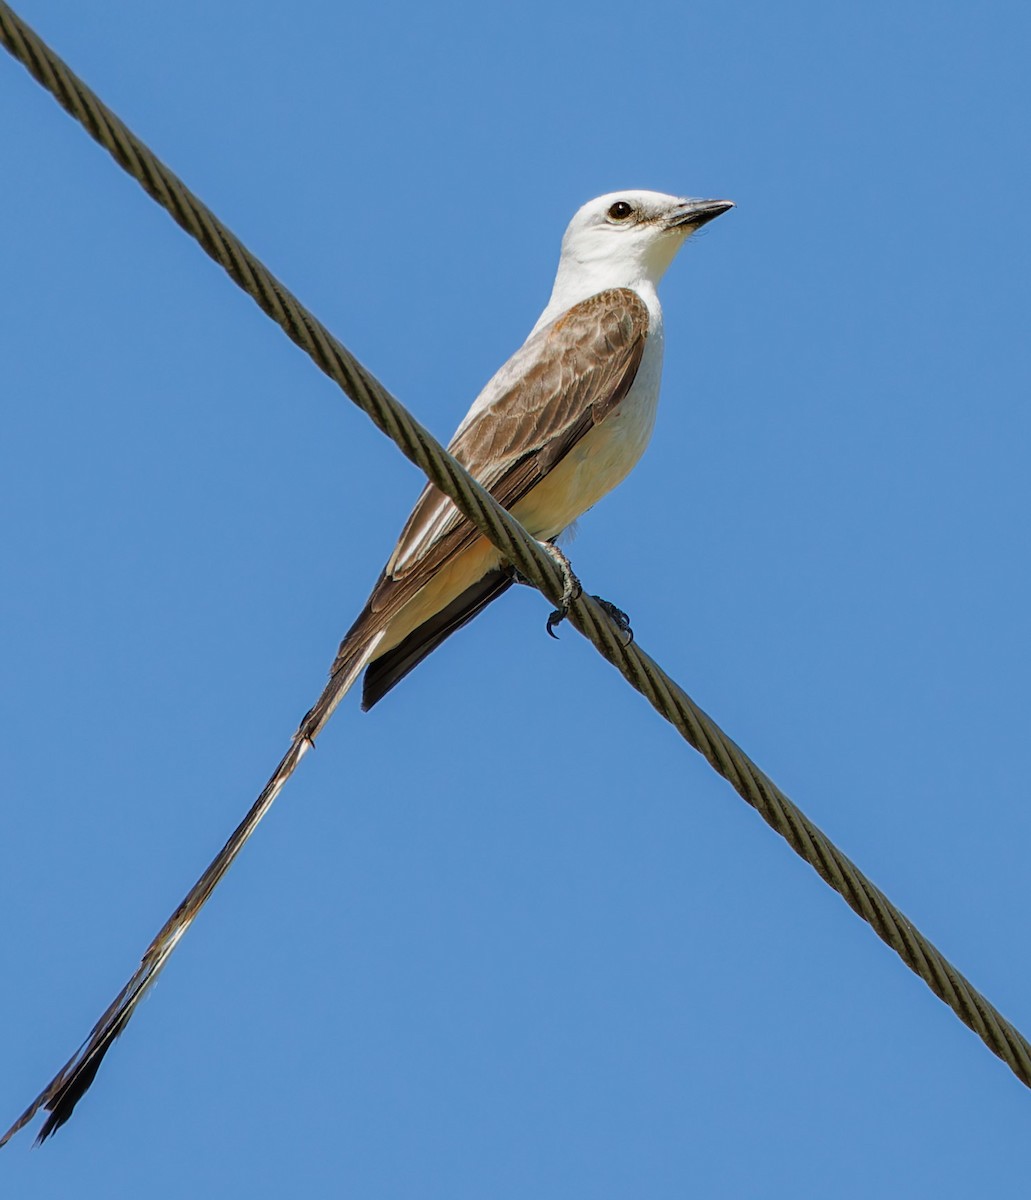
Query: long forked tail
[(64, 1091)]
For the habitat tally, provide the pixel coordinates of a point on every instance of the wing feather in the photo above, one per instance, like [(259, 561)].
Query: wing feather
[(564, 380)]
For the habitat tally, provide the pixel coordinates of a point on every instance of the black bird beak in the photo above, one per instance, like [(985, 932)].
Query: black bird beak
[(693, 214)]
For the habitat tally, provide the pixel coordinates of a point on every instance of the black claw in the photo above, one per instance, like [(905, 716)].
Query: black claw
[(620, 618), (556, 618)]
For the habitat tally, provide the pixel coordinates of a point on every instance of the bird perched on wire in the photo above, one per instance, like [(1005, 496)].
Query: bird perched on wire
[(558, 427)]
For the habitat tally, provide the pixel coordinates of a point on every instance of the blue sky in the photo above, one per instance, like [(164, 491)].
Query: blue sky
[(507, 935)]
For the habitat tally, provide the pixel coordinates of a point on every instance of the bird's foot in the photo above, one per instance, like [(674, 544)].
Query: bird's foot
[(619, 617), (571, 590)]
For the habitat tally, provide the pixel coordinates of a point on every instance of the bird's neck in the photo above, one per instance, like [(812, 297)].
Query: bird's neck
[(575, 283)]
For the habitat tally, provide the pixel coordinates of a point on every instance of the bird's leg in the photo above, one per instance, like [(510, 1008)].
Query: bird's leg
[(571, 586)]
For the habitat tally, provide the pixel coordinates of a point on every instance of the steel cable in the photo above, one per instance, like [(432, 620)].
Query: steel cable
[(666, 696)]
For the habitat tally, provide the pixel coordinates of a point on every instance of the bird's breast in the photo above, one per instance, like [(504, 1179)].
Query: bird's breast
[(602, 458)]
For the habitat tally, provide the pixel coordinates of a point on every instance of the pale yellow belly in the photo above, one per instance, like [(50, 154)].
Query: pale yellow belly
[(597, 463)]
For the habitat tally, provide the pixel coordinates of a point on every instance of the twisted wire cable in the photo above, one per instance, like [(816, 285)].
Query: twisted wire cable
[(586, 615)]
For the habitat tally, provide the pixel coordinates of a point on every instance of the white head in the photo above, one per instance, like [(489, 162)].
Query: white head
[(626, 239)]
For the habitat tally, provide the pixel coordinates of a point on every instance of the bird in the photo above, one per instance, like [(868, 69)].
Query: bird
[(560, 424)]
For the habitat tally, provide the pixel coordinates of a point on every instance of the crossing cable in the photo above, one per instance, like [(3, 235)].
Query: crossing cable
[(586, 615)]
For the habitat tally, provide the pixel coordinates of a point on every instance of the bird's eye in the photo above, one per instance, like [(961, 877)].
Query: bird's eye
[(620, 211)]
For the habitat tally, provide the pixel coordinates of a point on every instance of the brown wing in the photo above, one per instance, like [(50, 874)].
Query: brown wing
[(389, 669), (564, 380)]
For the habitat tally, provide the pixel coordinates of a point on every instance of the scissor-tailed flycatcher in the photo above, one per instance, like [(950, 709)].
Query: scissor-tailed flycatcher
[(562, 422)]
